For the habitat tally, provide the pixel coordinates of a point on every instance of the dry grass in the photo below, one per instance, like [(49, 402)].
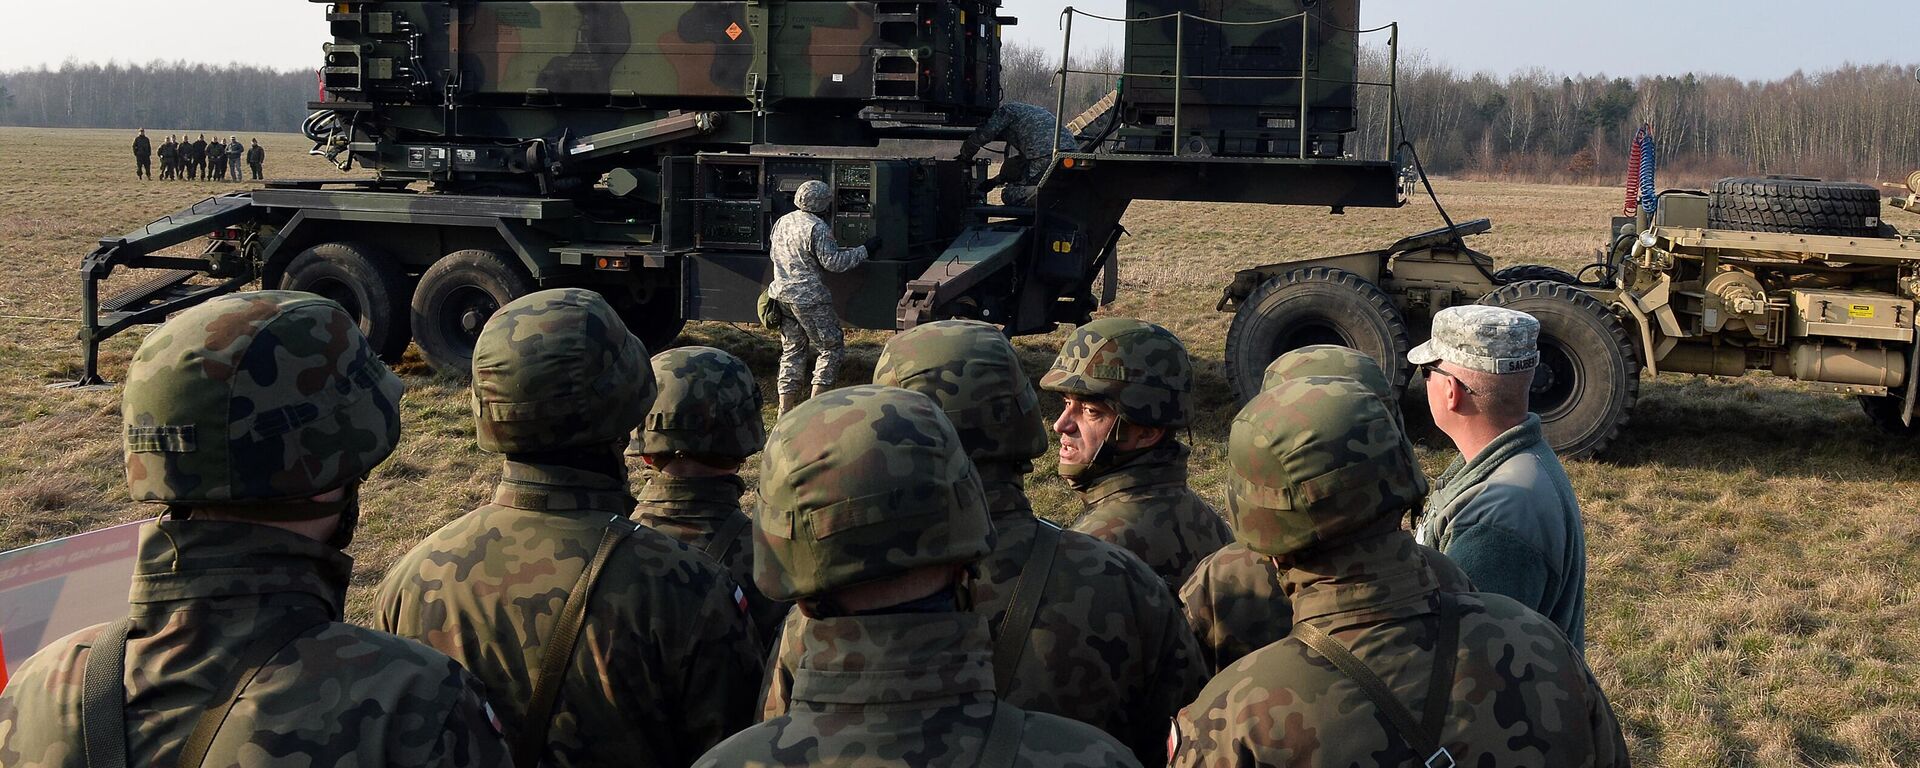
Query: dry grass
[(1750, 541)]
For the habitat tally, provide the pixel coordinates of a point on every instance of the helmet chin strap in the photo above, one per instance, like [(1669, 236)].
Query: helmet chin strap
[(1093, 460)]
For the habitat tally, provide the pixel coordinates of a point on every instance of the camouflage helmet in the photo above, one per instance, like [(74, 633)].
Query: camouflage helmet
[(813, 197), (861, 484), (1140, 367), (270, 396), (557, 369), (1333, 360), (1314, 460), (973, 374), (709, 405)]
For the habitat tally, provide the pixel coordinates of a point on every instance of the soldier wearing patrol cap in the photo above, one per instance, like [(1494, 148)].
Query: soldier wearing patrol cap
[(701, 429), (1060, 603), (1383, 666), (1233, 600), (254, 418), (1127, 388), (1504, 510), (602, 642), (872, 516)]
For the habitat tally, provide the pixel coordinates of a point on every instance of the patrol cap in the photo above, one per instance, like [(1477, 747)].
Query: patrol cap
[(861, 484), (972, 373), (557, 369), (813, 197), (1142, 368), (1482, 338), (1314, 460)]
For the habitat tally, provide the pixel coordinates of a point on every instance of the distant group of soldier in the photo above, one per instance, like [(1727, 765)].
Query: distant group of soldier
[(198, 159), (893, 600)]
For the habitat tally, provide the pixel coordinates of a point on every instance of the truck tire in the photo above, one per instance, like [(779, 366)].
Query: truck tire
[(1314, 305), (1796, 206), (455, 298), (1884, 412), (1589, 376), (369, 286), (1522, 272)]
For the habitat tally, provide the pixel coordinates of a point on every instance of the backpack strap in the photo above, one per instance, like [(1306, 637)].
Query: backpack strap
[(103, 698), (258, 652), (1423, 737), (1009, 728), (728, 533), (555, 658), (1011, 643)]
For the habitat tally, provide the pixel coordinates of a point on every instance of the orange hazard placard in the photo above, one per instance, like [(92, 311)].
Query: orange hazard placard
[(733, 31)]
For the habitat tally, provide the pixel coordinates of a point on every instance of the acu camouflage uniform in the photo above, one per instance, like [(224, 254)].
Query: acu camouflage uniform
[(863, 485), (708, 406), (252, 404), (1139, 500), (1029, 130), (1107, 645), (803, 246), (665, 664), (1234, 600), (1320, 478)]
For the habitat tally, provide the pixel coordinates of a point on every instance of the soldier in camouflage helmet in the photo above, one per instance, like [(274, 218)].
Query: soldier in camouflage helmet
[(1321, 477), (1103, 641), (1127, 386), (1233, 600), (872, 516), (803, 248), (701, 429), (664, 664), (253, 418)]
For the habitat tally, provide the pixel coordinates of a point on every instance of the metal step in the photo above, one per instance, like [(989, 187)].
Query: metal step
[(143, 293)]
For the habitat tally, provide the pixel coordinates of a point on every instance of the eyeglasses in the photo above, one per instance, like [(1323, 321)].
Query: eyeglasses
[(1428, 369)]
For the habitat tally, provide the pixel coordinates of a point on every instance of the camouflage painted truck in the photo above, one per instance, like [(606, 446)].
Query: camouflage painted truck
[(643, 149)]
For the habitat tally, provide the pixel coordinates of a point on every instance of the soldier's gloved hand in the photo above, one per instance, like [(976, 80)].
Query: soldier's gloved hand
[(873, 245)]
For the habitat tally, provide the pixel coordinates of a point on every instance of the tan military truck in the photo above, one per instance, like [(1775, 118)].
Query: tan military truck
[(1791, 276)]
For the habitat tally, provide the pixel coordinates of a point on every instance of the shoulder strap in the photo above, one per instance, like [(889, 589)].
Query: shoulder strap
[(103, 698), (1011, 643), (559, 651), (1424, 737), (1003, 737), (252, 658), (728, 533)]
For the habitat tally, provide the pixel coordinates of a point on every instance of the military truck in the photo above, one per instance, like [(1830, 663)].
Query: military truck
[(644, 148), (1784, 275)]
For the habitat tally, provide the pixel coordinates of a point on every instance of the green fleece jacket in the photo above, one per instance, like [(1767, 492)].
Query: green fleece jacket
[(1510, 520)]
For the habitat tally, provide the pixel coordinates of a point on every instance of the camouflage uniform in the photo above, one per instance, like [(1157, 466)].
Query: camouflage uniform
[(864, 485), (665, 665), (256, 159), (1029, 130), (1140, 499), (143, 157), (803, 247), (708, 407), (253, 404), (1107, 646), (1320, 478)]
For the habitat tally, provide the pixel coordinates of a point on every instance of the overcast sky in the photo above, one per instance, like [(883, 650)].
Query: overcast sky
[(1756, 39)]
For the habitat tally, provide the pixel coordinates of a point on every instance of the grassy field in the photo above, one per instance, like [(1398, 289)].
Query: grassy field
[(1751, 543)]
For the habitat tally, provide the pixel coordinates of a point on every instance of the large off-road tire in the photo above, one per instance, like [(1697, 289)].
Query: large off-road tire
[(455, 298), (1884, 412), (1797, 206), (1588, 377), (1522, 272), (1313, 305), (368, 285)]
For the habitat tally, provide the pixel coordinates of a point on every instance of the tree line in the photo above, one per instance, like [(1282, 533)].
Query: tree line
[(159, 96)]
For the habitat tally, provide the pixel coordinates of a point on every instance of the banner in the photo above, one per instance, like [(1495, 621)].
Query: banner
[(51, 589)]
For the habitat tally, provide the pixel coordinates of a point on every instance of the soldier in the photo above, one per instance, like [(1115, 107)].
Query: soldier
[(196, 157), (234, 150), (603, 642), (1030, 131), (253, 418), (256, 159), (1084, 629), (169, 159), (1320, 478), (803, 247), (1233, 600), (216, 160), (143, 156), (872, 515), (1504, 510), (701, 429), (1126, 386)]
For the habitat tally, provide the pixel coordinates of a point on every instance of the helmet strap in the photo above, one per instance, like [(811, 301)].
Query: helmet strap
[(349, 520)]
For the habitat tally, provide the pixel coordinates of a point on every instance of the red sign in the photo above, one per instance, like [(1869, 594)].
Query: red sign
[(733, 31), (51, 589)]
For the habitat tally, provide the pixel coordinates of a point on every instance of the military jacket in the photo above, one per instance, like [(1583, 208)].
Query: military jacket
[(695, 511), (802, 246), (1108, 646), (1235, 604), (1145, 506), (666, 664), (1031, 131), (1520, 696), (336, 695), (903, 689)]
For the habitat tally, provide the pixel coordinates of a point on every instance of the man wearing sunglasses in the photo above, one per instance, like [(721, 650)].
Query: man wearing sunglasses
[(1504, 510)]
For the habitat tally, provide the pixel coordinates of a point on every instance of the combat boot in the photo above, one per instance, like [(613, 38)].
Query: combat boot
[(819, 390), (788, 400)]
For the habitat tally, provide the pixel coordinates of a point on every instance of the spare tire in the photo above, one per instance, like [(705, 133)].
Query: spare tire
[(1589, 375), (1794, 205), (1314, 305)]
